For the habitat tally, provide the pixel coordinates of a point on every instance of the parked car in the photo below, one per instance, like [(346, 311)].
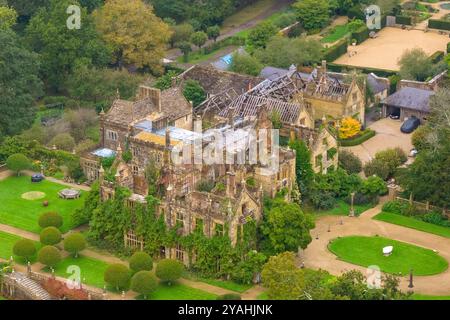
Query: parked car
[(410, 125), (395, 115), (37, 177)]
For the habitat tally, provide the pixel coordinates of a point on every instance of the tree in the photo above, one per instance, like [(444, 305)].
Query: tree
[(349, 128), (245, 64), (199, 38), (24, 248), (186, 48), (349, 162), (181, 33), (62, 49), (49, 256), (135, 34), (50, 236), (374, 185), (141, 261), (19, 84), (27, 8), (144, 282), (385, 163), (282, 278), (63, 141), (260, 35), (8, 17), (17, 163), (312, 14), (50, 219), (421, 138), (415, 65), (74, 243), (194, 92), (303, 167), (245, 270), (169, 270), (213, 32), (286, 228), (118, 276)]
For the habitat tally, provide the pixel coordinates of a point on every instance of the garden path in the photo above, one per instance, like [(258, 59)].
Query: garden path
[(317, 255)]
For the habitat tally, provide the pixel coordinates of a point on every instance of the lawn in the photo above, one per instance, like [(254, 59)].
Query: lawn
[(367, 251), (229, 285), (342, 208), (417, 296), (91, 270), (413, 224), (24, 214), (178, 291), (336, 34), (263, 296), (7, 242)]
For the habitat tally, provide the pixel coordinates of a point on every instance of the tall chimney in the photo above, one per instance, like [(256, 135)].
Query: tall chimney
[(231, 184)]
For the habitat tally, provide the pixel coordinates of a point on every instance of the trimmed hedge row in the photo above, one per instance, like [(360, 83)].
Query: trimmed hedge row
[(361, 34), (335, 51), (366, 135), (379, 72), (403, 20), (439, 24), (437, 56)]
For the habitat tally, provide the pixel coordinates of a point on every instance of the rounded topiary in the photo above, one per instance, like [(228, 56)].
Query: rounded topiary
[(169, 270), (141, 261), (74, 243), (17, 163), (49, 256), (24, 248), (144, 282), (50, 236), (229, 296), (50, 219), (118, 276)]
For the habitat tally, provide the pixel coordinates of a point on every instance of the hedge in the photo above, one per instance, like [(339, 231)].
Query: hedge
[(437, 56), (448, 47), (403, 20), (439, 24), (379, 72), (361, 34), (335, 51), (366, 135)]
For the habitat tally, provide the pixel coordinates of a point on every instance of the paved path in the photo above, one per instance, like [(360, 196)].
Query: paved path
[(318, 256)]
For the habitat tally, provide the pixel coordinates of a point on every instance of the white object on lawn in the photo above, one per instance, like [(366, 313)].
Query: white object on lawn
[(387, 251)]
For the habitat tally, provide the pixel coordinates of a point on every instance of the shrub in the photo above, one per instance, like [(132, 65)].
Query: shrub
[(419, 138), (24, 248), (435, 218), (361, 198), (363, 136), (141, 261), (378, 168), (439, 24), (118, 276), (50, 236), (337, 50), (229, 296), (144, 282), (63, 141), (323, 200), (374, 186), (194, 92), (74, 243), (17, 163), (205, 186), (349, 162), (349, 128), (404, 20), (50, 219), (49, 256), (385, 163), (395, 206), (169, 270)]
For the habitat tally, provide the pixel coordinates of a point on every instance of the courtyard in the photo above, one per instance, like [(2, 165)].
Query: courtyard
[(384, 51)]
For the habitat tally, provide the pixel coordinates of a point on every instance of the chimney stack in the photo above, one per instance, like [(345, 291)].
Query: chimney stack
[(231, 184)]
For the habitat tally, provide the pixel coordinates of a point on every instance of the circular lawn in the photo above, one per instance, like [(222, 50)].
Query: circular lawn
[(367, 251), (33, 195)]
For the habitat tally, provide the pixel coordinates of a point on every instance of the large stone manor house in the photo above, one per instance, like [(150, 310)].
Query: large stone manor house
[(159, 122)]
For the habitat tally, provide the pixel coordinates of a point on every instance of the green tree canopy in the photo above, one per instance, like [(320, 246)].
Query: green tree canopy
[(24, 248), (245, 64), (50, 236), (49, 256), (17, 163), (194, 92), (313, 14), (141, 261), (199, 38), (260, 35), (144, 282), (74, 243), (50, 219), (169, 270), (118, 276)]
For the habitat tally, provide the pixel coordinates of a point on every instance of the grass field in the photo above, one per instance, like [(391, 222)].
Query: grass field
[(413, 224), (7, 242), (337, 33), (178, 291), (91, 270), (417, 296), (341, 209), (229, 285), (263, 296), (24, 214), (367, 251)]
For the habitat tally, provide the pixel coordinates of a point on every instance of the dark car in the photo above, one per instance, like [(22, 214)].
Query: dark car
[(395, 115), (410, 125), (38, 177)]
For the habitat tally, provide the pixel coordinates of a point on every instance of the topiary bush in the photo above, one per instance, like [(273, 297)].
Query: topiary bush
[(118, 276), (24, 248), (50, 219), (144, 282), (74, 243), (229, 296), (50, 236), (141, 261), (49, 256), (169, 270), (17, 163)]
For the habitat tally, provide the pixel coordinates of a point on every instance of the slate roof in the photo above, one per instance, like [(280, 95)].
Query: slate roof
[(377, 84), (272, 73), (411, 98)]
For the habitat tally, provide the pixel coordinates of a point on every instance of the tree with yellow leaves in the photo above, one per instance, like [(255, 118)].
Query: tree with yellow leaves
[(349, 128), (134, 33)]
